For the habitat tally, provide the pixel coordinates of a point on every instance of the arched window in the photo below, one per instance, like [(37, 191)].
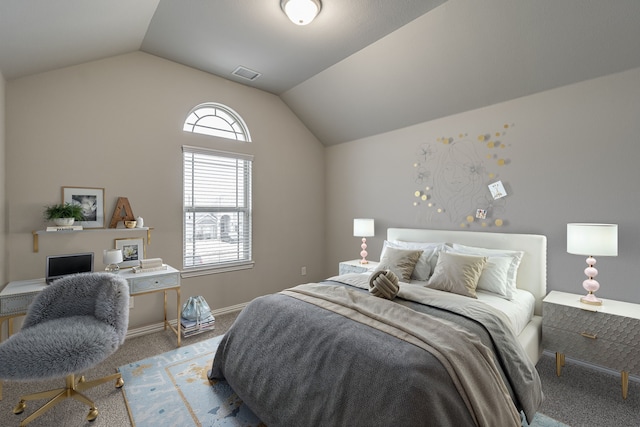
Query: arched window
[(217, 120), (217, 195)]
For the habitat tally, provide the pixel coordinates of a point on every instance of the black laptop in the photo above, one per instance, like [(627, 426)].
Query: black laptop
[(63, 265)]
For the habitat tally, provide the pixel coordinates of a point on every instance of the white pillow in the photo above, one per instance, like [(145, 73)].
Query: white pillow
[(494, 277), (427, 261), (497, 267), (457, 273)]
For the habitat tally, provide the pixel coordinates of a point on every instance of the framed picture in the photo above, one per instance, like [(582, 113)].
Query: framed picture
[(132, 251), (92, 202)]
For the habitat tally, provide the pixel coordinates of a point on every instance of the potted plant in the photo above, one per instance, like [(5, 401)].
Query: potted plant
[(64, 213)]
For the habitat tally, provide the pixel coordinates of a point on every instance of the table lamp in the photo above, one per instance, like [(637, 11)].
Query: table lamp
[(590, 240), (363, 227), (112, 257)]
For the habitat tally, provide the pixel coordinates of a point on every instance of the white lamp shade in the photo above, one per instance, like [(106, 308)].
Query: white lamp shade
[(363, 227), (112, 256), (592, 239), (301, 12)]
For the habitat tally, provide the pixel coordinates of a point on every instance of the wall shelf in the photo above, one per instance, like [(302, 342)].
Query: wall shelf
[(37, 233)]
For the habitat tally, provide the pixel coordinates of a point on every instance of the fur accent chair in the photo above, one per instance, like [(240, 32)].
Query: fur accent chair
[(71, 326)]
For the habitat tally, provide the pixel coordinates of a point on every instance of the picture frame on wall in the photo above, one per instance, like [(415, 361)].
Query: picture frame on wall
[(133, 251), (92, 202)]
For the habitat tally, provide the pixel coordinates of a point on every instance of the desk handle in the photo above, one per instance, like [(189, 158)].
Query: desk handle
[(588, 335)]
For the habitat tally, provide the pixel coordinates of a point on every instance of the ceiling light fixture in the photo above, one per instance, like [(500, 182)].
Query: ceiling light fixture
[(301, 12)]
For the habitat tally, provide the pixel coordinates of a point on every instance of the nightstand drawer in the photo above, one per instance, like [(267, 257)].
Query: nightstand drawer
[(597, 350), (146, 284), (605, 326)]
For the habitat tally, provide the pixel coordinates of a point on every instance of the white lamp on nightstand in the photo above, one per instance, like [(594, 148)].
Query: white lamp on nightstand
[(363, 227), (590, 240)]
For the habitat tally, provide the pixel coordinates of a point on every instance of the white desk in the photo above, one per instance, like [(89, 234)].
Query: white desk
[(16, 296)]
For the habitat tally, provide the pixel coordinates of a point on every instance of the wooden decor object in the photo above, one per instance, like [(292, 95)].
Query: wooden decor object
[(122, 204)]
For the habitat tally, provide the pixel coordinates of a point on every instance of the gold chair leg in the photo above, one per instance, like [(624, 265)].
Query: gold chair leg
[(44, 408), (72, 390), (43, 394), (84, 385)]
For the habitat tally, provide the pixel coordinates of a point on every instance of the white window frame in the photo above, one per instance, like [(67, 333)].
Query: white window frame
[(241, 208), (215, 119)]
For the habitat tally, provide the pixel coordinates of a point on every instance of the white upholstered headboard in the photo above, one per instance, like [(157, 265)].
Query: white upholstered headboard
[(532, 273)]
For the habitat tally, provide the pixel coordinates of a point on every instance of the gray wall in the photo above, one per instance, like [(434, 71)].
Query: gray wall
[(117, 124), (3, 204), (571, 156)]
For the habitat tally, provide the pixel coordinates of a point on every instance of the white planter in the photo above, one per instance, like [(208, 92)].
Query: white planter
[(63, 221)]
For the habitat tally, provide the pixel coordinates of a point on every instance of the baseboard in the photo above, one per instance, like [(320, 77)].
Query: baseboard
[(157, 327), (594, 367)]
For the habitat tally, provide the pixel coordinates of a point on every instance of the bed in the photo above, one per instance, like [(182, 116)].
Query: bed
[(334, 353)]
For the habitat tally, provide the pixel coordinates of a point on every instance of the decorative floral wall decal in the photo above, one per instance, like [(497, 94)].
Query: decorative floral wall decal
[(460, 179)]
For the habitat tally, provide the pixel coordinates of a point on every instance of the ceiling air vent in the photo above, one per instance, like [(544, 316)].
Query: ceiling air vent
[(246, 73)]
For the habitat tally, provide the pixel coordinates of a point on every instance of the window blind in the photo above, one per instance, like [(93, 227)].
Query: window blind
[(217, 208)]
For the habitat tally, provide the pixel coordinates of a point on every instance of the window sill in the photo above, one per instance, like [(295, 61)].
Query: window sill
[(205, 271)]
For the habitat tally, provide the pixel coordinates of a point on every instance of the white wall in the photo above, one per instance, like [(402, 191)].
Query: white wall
[(572, 156), (117, 124)]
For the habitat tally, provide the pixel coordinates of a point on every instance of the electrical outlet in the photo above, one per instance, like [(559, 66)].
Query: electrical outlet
[(303, 271), (130, 303)]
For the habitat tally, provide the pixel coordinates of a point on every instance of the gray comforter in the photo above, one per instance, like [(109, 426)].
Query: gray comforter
[(307, 359)]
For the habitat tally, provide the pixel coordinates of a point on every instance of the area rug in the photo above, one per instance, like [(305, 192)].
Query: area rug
[(172, 389)]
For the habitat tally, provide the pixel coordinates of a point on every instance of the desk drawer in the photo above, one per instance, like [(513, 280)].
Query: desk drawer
[(147, 284), (16, 304)]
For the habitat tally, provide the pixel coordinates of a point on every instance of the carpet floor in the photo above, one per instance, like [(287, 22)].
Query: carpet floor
[(172, 389), (581, 397)]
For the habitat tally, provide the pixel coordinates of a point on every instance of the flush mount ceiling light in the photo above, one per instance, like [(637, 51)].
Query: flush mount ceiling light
[(301, 12)]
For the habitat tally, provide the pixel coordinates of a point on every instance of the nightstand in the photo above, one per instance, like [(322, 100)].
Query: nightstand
[(354, 266), (606, 335)]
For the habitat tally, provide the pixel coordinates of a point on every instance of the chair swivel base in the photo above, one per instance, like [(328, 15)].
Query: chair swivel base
[(71, 390)]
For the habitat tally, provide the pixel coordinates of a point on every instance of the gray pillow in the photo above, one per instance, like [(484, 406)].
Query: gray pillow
[(400, 261)]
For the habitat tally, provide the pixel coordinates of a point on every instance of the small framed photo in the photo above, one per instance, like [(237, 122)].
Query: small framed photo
[(132, 251), (92, 202), (497, 190)]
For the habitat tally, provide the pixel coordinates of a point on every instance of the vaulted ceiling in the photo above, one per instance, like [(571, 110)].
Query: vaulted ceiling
[(363, 67)]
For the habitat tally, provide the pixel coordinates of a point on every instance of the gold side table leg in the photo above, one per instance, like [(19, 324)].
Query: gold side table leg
[(624, 375), (176, 330), (559, 363), (179, 315), (165, 310)]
